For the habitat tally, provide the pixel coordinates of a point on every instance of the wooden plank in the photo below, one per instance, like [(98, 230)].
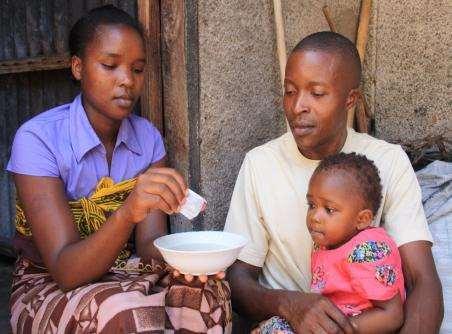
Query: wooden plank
[(361, 42), (151, 99), (175, 97), (193, 104), (35, 64)]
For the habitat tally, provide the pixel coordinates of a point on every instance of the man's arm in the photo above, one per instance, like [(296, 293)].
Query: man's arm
[(405, 221), (424, 305), (250, 298), (306, 312)]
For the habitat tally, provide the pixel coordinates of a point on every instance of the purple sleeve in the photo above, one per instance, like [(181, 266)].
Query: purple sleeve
[(158, 148), (30, 155)]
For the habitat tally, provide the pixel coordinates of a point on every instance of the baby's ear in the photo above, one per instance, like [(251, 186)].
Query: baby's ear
[(364, 219), (76, 67)]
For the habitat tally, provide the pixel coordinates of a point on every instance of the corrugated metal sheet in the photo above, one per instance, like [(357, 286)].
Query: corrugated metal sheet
[(31, 28), (23, 95)]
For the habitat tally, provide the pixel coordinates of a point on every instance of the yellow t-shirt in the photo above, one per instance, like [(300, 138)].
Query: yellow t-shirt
[(269, 205)]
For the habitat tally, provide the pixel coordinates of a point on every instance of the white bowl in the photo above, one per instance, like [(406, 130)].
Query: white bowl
[(200, 253)]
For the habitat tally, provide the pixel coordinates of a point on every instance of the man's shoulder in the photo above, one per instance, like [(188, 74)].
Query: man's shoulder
[(375, 149)]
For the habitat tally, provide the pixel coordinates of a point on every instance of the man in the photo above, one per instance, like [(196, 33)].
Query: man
[(272, 274)]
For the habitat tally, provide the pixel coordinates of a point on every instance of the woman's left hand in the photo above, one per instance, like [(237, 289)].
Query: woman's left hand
[(202, 278)]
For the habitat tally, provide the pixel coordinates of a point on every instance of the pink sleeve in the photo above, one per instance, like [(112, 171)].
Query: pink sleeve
[(374, 269)]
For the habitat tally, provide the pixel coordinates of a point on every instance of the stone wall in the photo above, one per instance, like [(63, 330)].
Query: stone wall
[(240, 103), (407, 63), (405, 77)]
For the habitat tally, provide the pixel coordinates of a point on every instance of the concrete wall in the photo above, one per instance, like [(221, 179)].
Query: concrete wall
[(240, 105), (407, 64), (405, 77)]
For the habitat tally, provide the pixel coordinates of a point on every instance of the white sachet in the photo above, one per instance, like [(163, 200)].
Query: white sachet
[(193, 205)]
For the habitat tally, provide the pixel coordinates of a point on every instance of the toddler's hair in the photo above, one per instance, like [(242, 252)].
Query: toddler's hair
[(363, 171), (85, 28)]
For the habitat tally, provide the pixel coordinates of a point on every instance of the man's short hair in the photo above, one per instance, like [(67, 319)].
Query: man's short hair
[(363, 171), (335, 43)]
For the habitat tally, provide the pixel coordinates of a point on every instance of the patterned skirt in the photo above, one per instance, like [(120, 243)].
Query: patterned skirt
[(122, 301)]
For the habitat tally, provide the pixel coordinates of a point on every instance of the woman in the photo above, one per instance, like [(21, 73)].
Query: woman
[(74, 168)]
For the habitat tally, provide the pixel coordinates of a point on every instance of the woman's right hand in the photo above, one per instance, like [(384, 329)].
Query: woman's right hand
[(157, 188)]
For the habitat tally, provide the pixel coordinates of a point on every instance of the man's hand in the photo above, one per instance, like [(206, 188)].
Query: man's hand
[(313, 313), (306, 312)]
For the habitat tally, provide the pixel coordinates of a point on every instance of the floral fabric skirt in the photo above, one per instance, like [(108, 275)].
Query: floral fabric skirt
[(122, 301)]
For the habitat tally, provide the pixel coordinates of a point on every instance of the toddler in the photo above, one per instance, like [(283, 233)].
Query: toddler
[(355, 265)]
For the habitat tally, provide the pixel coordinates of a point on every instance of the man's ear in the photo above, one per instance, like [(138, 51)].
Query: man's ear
[(76, 67), (364, 219), (352, 98)]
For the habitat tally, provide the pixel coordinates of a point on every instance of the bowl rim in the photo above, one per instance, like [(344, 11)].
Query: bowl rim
[(243, 242)]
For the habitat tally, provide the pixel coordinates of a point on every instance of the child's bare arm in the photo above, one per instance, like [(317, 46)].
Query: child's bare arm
[(384, 317)]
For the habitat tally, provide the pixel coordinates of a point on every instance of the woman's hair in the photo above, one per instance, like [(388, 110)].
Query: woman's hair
[(363, 171), (85, 28)]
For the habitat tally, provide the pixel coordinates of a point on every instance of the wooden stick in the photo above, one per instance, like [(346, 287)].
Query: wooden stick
[(151, 99), (362, 119), (363, 28), (361, 42), (280, 45), (327, 14), (280, 40)]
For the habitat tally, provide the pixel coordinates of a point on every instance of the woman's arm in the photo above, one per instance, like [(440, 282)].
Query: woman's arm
[(72, 261), (153, 226), (384, 317)]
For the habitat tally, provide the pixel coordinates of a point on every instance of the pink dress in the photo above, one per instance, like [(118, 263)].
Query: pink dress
[(366, 268)]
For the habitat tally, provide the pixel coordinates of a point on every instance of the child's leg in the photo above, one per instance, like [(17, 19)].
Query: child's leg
[(274, 325)]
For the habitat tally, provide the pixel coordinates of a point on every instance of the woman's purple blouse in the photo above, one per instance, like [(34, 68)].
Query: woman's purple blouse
[(62, 143)]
